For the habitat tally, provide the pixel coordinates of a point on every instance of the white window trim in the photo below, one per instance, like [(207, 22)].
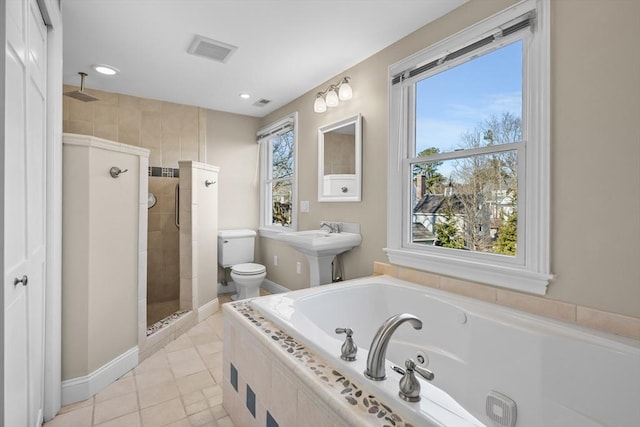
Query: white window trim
[(269, 230), (531, 272)]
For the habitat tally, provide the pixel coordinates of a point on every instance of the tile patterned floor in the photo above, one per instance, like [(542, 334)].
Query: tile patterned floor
[(178, 386)]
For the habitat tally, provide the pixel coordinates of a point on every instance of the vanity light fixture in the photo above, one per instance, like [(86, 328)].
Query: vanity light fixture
[(107, 70), (332, 96)]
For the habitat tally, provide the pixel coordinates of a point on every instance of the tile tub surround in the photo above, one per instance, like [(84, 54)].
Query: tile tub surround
[(613, 323), (269, 377)]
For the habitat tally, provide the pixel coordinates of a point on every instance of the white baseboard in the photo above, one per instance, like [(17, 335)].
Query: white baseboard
[(273, 287), (208, 309), (267, 285), (82, 388)]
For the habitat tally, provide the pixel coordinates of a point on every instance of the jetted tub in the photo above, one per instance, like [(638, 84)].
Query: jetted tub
[(557, 374)]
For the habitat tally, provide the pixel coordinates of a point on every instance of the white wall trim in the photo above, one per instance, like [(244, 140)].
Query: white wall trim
[(267, 285), (529, 271), (208, 309), (53, 299), (273, 287), (82, 388)]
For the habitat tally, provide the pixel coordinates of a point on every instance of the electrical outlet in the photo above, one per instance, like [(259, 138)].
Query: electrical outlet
[(275, 260), (298, 267)]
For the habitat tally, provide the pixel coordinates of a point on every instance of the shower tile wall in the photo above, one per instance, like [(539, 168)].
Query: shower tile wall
[(163, 257), (171, 132)]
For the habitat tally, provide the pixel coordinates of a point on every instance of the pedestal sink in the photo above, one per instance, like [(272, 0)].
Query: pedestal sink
[(320, 247)]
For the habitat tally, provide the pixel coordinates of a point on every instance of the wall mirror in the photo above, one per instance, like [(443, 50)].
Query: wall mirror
[(340, 161)]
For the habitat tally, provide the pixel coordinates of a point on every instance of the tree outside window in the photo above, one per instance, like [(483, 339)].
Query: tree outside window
[(281, 180)]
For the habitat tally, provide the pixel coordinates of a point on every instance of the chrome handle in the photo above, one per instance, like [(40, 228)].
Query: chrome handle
[(349, 348), (24, 280), (424, 373), (116, 171), (409, 385), (209, 182), (347, 331)]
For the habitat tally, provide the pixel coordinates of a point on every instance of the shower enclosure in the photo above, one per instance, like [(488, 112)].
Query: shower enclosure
[(182, 211), (163, 246)]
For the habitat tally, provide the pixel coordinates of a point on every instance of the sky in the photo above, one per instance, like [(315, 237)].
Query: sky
[(457, 100)]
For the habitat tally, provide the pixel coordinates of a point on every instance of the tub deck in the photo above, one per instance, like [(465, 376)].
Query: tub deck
[(557, 374)]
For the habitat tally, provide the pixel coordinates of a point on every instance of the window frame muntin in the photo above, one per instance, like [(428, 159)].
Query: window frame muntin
[(533, 275), (267, 228), (519, 258)]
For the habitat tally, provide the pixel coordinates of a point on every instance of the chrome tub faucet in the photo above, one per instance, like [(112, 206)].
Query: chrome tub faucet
[(378, 349)]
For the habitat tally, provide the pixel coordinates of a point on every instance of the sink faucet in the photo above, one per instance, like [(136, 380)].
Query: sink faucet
[(333, 227), (378, 349)]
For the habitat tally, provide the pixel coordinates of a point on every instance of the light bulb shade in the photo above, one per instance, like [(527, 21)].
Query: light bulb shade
[(332, 98), (345, 92), (319, 106)]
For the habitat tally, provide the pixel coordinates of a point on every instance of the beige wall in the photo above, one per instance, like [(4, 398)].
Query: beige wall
[(231, 145), (595, 72), (595, 109), (100, 257)]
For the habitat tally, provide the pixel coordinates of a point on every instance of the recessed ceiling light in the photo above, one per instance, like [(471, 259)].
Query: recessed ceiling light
[(245, 96), (107, 70)]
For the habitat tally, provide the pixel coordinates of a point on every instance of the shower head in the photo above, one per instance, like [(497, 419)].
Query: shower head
[(81, 95)]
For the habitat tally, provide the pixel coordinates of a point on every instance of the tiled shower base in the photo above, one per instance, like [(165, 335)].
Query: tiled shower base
[(166, 322), (164, 331), (156, 311)]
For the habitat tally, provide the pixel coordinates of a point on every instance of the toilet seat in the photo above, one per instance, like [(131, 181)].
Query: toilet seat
[(248, 269)]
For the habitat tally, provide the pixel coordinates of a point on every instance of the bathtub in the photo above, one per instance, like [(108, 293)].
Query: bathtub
[(556, 374)]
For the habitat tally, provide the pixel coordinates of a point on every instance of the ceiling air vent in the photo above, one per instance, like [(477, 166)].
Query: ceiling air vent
[(261, 102), (211, 49)]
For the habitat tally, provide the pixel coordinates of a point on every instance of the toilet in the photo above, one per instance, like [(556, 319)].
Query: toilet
[(235, 250)]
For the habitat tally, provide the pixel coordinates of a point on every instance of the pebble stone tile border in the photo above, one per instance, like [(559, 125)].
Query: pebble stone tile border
[(166, 321), (377, 412)]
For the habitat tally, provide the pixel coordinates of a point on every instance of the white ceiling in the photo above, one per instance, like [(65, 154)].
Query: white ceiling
[(285, 47)]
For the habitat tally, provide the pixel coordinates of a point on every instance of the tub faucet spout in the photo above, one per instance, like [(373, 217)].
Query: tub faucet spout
[(378, 349)]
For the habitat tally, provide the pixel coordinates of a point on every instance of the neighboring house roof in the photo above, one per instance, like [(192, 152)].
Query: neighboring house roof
[(438, 203)]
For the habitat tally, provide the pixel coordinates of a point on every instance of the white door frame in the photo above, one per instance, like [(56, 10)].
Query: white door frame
[(52, 16)]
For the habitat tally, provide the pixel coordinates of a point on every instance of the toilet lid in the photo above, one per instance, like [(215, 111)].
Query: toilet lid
[(248, 269)]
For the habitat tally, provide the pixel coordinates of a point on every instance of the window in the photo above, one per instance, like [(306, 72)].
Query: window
[(278, 146), (469, 153)]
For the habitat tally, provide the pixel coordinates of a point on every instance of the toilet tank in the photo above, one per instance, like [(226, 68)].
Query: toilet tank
[(235, 247)]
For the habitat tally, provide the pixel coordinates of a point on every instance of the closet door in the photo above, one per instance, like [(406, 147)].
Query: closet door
[(24, 212)]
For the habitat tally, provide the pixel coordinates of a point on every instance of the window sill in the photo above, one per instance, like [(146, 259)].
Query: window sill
[(511, 277)]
